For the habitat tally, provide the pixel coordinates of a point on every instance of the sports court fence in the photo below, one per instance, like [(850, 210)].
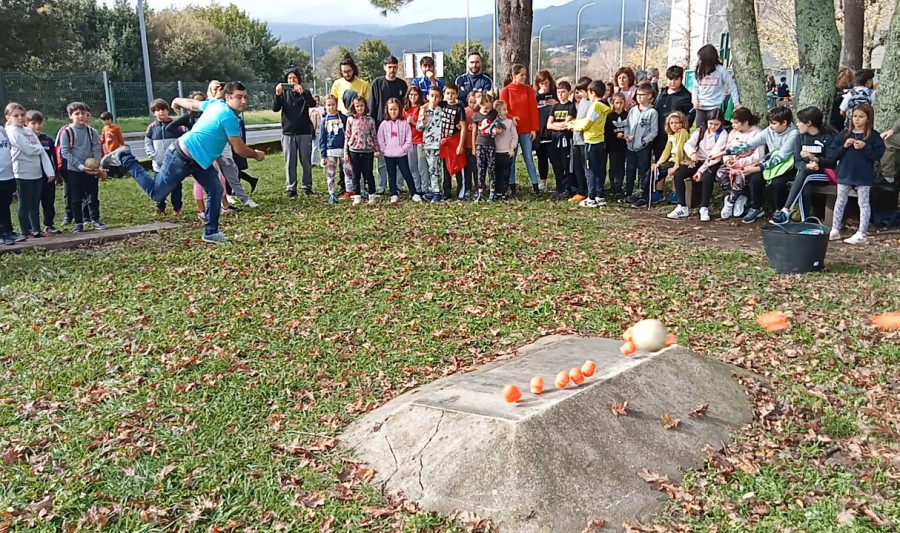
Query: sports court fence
[(49, 93)]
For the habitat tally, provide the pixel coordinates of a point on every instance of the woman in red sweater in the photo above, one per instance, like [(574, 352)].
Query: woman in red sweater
[(523, 110)]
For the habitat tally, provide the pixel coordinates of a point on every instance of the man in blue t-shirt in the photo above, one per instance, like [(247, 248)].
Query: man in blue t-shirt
[(195, 152), (475, 79)]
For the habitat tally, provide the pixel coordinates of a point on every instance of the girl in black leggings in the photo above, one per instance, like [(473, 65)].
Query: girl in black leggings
[(701, 148)]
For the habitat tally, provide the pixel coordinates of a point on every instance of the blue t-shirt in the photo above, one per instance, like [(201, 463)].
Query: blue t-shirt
[(207, 139)]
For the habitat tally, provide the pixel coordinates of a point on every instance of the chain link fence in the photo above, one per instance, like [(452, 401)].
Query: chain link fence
[(50, 93)]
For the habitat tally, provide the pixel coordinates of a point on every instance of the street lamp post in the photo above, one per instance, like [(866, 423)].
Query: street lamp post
[(540, 34), (622, 38), (578, 61), (315, 87), (467, 30), (578, 38), (430, 47), (148, 80), (494, 50), (531, 56), (646, 23)]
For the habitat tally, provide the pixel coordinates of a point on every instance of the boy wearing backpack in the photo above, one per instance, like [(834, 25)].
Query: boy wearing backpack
[(861, 93), (76, 143)]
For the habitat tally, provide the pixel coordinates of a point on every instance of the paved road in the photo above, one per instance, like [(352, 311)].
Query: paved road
[(253, 136)]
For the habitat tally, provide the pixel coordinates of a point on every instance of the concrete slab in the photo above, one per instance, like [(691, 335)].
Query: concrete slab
[(67, 241), (556, 461)]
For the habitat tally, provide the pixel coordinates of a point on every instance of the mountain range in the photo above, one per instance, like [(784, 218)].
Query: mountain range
[(599, 22)]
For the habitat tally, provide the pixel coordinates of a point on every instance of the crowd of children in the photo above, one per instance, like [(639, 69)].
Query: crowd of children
[(636, 133)]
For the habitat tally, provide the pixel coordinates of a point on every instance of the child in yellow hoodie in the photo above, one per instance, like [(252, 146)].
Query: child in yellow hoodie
[(593, 126), (678, 134)]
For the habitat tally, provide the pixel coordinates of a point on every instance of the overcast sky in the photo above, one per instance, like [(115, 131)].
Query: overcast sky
[(355, 11)]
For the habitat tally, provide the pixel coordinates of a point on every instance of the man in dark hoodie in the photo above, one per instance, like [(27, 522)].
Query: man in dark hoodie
[(297, 128), (675, 97), (383, 89)]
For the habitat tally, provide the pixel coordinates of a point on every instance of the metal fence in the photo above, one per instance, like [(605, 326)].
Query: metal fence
[(50, 93)]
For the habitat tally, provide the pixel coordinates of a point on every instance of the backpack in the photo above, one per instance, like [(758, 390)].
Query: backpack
[(70, 135), (857, 96)]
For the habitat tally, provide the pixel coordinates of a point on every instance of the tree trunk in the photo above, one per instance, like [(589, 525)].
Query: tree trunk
[(747, 59), (887, 104), (515, 20), (854, 28), (820, 54)]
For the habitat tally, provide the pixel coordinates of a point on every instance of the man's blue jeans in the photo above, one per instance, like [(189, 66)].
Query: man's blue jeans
[(175, 168)]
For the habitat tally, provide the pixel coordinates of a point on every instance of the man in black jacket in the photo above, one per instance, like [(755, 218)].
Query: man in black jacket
[(297, 130), (383, 89), (675, 97)]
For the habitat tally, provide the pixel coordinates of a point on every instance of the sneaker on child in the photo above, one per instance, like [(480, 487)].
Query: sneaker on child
[(781, 217), (753, 215), (739, 205), (704, 214), (679, 212), (857, 238), (215, 238), (727, 210)]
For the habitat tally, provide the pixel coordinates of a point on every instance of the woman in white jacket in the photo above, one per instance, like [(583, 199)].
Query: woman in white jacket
[(30, 166), (731, 176), (702, 167)]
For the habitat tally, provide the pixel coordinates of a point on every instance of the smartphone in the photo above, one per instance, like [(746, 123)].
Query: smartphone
[(287, 86)]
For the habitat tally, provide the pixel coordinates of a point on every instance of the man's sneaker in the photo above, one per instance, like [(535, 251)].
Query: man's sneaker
[(251, 204), (291, 194), (781, 217), (112, 159), (727, 210), (332, 198), (98, 225), (79, 228), (215, 238), (417, 198), (679, 212), (835, 235), (395, 199), (600, 202), (373, 198), (857, 238), (641, 203), (704, 214), (577, 198), (739, 205), (588, 202), (51, 230), (357, 199), (673, 198), (753, 215), (630, 198)]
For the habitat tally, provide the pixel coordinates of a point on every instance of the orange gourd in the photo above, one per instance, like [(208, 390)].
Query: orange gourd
[(537, 385), (588, 368), (562, 379), (576, 376), (511, 393)]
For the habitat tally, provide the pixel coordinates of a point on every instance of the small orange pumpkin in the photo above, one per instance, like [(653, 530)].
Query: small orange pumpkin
[(588, 368), (511, 393), (576, 376), (562, 379), (537, 385), (628, 348)]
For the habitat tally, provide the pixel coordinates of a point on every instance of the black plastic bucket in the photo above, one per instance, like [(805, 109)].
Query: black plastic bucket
[(795, 248)]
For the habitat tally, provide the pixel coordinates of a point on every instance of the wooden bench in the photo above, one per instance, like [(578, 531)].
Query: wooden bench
[(692, 193), (883, 198), (823, 200)]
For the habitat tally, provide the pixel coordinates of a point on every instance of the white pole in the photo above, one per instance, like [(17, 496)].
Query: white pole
[(622, 38), (144, 50), (494, 50), (430, 47), (314, 63), (531, 54), (646, 23), (578, 38), (540, 34), (578, 66), (467, 30)]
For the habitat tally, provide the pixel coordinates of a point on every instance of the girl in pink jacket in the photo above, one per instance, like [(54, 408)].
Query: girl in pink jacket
[(395, 140)]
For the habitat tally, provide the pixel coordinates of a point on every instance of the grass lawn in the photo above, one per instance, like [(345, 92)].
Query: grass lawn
[(139, 124), (168, 385)]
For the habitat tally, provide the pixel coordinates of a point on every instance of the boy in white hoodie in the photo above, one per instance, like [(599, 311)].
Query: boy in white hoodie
[(30, 164), (7, 188)]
